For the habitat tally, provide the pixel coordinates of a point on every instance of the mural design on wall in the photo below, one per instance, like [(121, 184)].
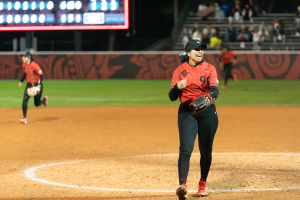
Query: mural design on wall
[(155, 66), (77, 66), (148, 66)]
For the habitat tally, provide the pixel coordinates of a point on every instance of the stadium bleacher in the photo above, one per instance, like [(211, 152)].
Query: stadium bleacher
[(291, 43)]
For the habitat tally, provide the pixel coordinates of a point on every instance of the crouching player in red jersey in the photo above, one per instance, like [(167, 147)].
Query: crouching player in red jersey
[(34, 76), (191, 79)]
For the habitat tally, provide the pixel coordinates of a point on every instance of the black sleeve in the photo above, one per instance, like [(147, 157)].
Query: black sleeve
[(214, 92), (174, 93), (220, 59), (23, 77), (41, 78)]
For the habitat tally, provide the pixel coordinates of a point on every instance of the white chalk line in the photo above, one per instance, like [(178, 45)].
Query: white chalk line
[(29, 173)]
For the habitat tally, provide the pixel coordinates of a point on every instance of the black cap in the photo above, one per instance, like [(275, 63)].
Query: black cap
[(26, 54), (195, 45)]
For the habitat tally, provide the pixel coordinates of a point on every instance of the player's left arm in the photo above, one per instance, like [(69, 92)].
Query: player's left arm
[(220, 58), (39, 71), (233, 58), (22, 79), (213, 83)]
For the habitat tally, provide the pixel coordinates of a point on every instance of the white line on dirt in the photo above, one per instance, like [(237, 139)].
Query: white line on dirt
[(29, 173)]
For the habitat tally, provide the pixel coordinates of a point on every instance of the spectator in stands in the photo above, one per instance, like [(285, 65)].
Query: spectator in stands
[(263, 35), (196, 26), (247, 13), (267, 29), (215, 39), (219, 14), (243, 35), (256, 41), (185, 37), (297, 14), (230, 33), (297, 21), (197, 35), (237, 2), (206, 34), (263, 26), (202, 7), (253, 7), (278, 33), (208, 12), (237, 13), (251, 33)]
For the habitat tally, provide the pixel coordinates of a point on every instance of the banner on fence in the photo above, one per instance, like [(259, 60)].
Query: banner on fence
[(148, 66)]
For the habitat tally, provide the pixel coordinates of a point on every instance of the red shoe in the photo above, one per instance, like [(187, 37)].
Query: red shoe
[(224, 87), (46, 101), (203, 189), (23, 121), (181, 192), (234, 77)]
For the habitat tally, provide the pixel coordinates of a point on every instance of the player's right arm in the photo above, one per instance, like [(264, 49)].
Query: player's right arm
[(176, 85)]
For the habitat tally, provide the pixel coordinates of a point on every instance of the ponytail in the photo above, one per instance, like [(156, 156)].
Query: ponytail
[(185, 58)]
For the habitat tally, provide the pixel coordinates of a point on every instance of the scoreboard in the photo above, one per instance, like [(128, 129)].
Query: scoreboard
[(32, 15)]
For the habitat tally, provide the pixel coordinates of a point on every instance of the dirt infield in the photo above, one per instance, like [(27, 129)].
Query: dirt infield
[(133, 151)]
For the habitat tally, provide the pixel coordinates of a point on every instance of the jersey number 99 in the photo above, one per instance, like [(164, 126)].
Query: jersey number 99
[(203, 79)]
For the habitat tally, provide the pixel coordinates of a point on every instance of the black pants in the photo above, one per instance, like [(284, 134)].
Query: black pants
[(227, 71), (205, 124), (37, 98)]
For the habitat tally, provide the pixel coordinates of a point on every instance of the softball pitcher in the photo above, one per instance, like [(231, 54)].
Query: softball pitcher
[(34, 76), (191, 79)]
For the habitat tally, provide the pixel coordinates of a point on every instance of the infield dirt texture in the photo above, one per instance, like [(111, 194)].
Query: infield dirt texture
[(135, 148)]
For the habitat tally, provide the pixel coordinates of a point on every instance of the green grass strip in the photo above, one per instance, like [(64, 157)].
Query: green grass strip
[(81, 93)]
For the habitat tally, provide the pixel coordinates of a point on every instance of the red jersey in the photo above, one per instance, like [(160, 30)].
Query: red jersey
[(199, 80), (33, 72), (226, 57)]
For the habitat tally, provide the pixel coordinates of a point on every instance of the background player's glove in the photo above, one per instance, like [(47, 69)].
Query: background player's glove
[(34, 90), (201, 104)]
